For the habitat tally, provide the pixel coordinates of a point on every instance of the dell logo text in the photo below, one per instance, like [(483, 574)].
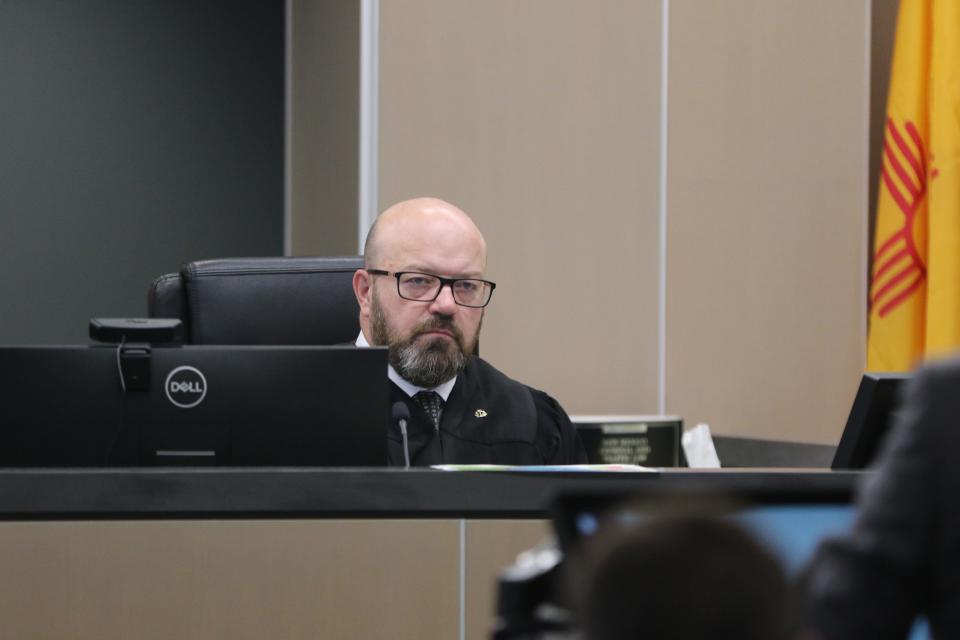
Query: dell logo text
[(187, 387)]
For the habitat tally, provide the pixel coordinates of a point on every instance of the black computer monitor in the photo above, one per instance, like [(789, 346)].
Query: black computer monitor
[(199, 405), (791, 523), (871, 417)]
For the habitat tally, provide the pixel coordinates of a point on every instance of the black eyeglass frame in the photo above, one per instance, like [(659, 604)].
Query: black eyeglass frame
[(443, 283)]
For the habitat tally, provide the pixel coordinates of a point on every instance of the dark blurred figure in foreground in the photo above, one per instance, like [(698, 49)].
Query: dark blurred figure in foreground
[(686, 578), (902, 558)]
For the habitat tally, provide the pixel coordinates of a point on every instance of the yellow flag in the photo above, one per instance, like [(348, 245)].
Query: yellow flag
[(915, 284)]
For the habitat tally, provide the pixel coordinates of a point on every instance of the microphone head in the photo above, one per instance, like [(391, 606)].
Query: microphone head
[(399, 411)]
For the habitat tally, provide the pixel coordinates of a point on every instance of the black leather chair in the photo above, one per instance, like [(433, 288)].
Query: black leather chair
[(261, 300)]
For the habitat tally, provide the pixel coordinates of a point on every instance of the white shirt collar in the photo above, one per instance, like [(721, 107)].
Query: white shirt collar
[(406, 386)]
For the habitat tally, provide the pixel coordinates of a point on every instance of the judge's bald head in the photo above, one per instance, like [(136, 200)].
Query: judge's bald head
[(406, 226)]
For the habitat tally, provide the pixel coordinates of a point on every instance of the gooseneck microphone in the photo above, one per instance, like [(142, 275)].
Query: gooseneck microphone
[(401, 414)]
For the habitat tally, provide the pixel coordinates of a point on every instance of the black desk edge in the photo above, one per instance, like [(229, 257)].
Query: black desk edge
[(312, 493)]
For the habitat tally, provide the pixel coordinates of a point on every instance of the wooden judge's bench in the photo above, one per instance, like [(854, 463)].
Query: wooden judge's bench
[(292, 552)]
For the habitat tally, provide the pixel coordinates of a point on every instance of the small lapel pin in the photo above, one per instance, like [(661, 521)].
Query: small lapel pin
[(480, 413)]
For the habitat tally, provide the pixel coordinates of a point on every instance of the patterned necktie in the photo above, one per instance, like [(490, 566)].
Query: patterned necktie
[(432, 404)]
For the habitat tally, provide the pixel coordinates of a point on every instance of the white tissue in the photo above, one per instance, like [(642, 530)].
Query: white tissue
[(698, 447)]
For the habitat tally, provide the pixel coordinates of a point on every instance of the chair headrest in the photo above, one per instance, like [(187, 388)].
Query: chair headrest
[(289, 300)]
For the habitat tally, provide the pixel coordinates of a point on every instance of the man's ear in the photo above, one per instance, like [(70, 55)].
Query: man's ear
[(361, 288)]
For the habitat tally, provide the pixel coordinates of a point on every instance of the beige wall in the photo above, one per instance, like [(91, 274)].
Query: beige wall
[(767, 215), (206, 580), (542, 119)]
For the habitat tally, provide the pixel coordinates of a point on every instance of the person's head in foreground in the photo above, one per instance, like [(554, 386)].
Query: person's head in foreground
[(685, 577)]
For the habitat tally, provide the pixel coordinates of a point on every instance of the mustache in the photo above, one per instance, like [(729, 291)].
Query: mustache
[(433, 323)]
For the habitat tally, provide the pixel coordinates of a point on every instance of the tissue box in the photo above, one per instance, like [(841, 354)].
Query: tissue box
[(651, 441)]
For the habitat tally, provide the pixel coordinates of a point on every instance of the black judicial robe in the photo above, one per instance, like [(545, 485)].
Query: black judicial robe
[(488, 419)]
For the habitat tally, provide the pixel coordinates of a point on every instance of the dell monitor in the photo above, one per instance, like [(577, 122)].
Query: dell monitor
[(136, 405)]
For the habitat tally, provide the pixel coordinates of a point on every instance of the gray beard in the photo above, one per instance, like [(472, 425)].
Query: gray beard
[(427, 366), (423, 363)]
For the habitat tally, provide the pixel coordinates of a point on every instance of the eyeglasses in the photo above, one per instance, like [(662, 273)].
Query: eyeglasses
[(426, 287)]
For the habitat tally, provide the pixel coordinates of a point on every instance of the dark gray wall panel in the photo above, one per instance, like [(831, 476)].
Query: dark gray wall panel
[(133, 136)]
